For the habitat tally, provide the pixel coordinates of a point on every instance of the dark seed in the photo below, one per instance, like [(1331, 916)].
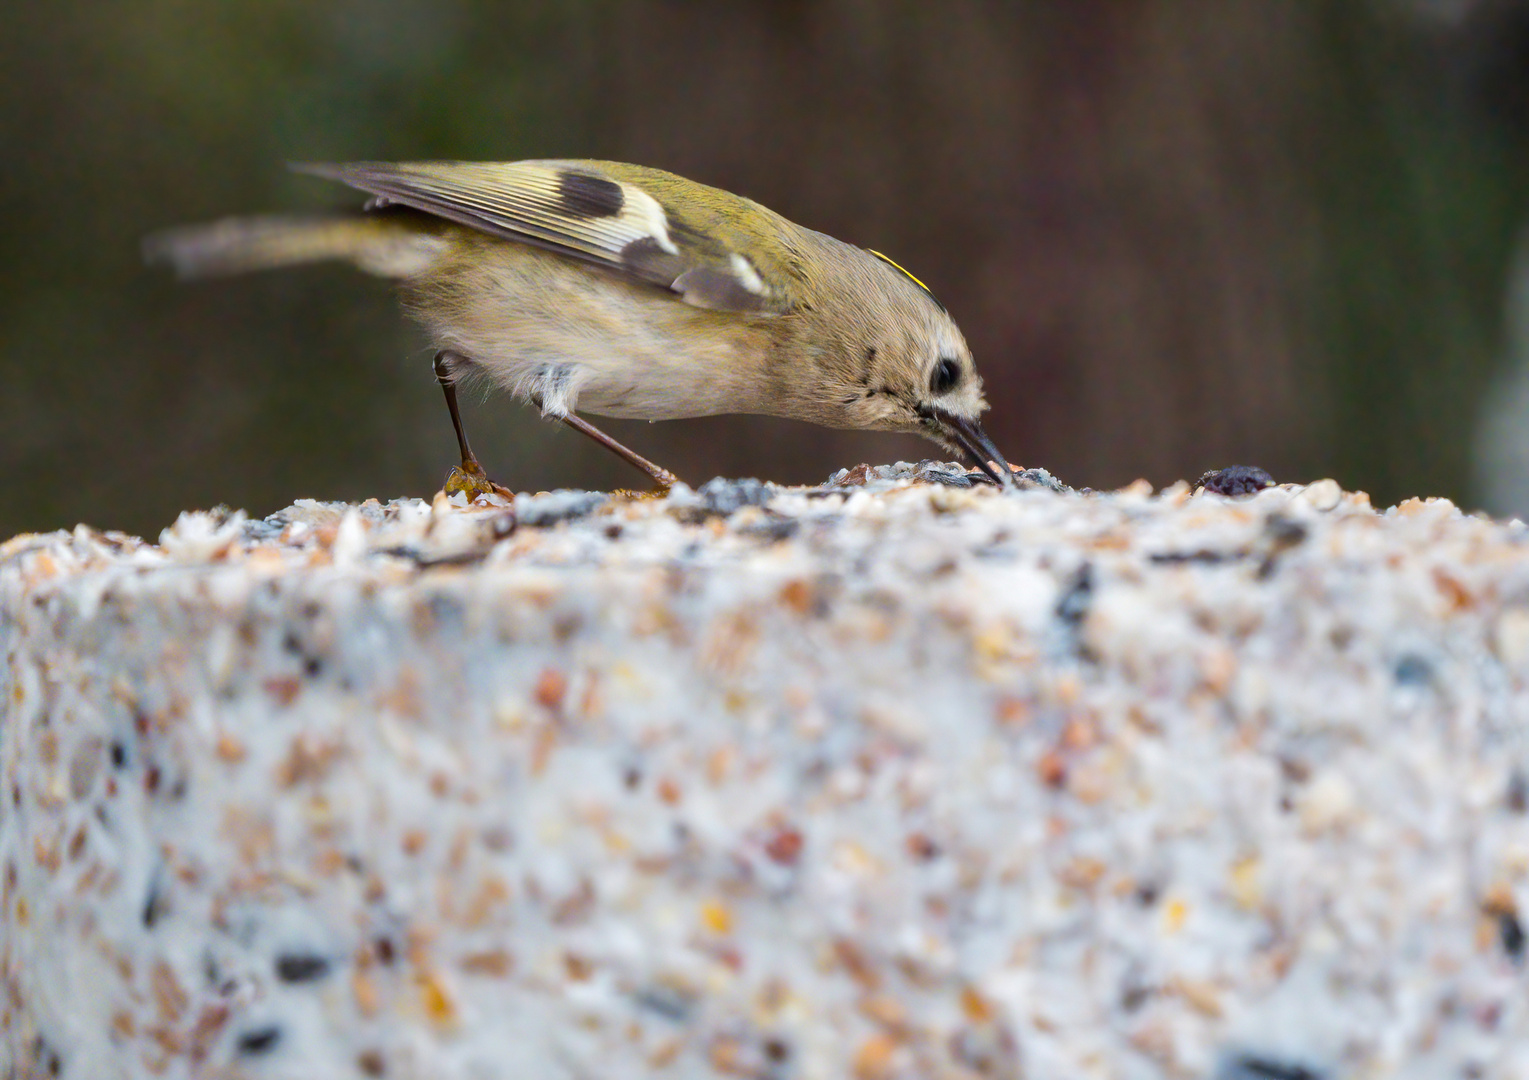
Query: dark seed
[(1134, 997), (1413, 670), (1235, 480), (1295, 770), (154, 907), (1249, 1067), (1284, 532), (772, 529), (1078, 595), (259, 1040), (1518, 792), (1512, 932), (666, 1001), (47, 1057), (590, 196), (301, 967), (1203, 555)]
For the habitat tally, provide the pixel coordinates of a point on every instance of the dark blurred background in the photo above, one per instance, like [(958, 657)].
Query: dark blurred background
[(1179, 235)]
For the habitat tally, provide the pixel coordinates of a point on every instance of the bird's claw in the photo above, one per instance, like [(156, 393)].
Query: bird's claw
[(470, 479)]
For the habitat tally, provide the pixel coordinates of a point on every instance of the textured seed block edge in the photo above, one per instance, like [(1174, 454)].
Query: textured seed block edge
[(902, 780)]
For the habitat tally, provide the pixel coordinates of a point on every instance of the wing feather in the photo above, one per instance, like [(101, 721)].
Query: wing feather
[(581, 210)]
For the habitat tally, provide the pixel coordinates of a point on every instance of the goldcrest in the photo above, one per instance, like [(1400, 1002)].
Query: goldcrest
[(625, 291)]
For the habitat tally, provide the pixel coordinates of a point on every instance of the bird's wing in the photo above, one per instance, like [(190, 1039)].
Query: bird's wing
[(643, 224)]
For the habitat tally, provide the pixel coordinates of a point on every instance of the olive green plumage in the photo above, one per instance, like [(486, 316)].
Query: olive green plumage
[(626, 291)]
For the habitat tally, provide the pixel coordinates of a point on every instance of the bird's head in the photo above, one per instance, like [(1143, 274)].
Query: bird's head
[(907, 367)]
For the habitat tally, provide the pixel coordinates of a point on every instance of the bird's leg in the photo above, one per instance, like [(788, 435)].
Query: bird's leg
[(468, 477), (661, 476)]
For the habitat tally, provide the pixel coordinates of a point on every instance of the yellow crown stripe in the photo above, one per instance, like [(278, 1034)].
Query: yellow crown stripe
[(904, 272)]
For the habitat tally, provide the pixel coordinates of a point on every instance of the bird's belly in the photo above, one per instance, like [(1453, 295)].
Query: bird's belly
[(537, 324)]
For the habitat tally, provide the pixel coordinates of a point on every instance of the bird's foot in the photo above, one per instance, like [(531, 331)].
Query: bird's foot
[(663, 480), (470, 479)]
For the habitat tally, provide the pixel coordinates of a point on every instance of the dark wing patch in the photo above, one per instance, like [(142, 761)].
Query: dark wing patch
[(589, 196), (910, 277)]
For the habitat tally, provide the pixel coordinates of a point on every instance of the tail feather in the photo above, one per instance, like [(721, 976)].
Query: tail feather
[(387, 248)]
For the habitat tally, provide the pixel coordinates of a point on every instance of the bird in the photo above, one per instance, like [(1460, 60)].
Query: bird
[(626, 291)]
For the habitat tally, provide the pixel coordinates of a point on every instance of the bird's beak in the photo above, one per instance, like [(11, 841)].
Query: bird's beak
[(969, 436)]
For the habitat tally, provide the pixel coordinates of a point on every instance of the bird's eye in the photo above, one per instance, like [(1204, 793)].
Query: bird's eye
[(945, 376)]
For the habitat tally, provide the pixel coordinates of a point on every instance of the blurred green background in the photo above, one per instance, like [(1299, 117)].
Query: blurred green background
[(1178, 234)]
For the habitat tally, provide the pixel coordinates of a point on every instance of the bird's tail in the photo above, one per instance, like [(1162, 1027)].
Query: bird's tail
[(385, 246)]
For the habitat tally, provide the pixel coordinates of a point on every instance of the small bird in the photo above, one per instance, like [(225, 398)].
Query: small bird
[(626, 291)]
